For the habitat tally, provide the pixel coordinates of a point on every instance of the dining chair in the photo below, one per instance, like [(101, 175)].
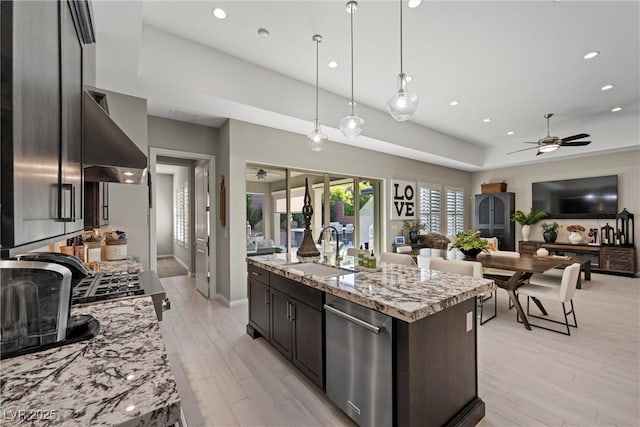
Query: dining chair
[(403, 259), (564, 295), (403, 249), (467, 268), (425, 261)]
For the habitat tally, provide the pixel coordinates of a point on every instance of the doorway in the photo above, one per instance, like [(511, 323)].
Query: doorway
[(181, 240)]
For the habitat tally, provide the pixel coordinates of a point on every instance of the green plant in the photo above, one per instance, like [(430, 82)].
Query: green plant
[(528, 219), (413, 225), (468, 240), (550, 226)]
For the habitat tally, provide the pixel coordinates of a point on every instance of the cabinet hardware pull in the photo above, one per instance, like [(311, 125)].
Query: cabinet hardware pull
[(350, 318), (292, 316), (266, 297), (288, 311)]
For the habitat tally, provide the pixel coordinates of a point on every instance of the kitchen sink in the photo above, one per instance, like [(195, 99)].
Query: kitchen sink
[(320, 270)]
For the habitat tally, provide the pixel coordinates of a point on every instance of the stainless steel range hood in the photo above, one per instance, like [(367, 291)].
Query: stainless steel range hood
[(109, 154)]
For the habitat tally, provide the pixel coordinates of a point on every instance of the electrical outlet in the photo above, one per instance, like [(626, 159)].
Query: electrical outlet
[(469, 321)]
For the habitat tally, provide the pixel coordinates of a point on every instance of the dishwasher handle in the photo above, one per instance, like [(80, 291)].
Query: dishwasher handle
[(350, 318)]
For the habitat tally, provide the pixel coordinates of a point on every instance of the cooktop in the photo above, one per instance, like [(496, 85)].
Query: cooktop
[(102, 286)]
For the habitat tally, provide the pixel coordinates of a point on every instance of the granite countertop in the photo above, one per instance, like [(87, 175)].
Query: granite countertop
[(120, 377), (128, 264), (406, 293)]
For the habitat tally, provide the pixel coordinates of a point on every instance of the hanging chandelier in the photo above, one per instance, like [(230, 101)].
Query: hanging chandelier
[(351, 125), (317, 137)]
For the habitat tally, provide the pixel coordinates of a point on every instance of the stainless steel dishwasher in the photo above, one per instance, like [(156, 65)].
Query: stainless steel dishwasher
[(358, 361)]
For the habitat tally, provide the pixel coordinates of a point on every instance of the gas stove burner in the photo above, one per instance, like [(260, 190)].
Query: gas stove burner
[(108, 285)]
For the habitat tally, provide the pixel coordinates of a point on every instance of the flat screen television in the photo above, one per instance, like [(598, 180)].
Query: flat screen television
[(594, 197)]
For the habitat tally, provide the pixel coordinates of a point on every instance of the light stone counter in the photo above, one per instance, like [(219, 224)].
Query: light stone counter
[(120, 377), (406, 293), (128, 264)]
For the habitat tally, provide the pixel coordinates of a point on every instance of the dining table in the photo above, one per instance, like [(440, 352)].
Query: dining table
[(520, 269)]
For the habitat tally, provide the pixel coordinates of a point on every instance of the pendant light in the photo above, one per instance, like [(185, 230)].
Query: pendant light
[(403, 104), (351, 125), (317, 137)]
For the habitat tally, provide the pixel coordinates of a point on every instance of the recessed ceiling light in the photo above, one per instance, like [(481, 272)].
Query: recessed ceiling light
[(487, 120), (607, 87), (616, 109), (263, 33), (453, 103), (219, 13), (414, 3), (510, 132), (591, 55), (332, 64)]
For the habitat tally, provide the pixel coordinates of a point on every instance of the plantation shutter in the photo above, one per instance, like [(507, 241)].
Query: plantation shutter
[(455, 210), (429, 207)]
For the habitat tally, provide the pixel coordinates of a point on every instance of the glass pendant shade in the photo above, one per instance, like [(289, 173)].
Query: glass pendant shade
[(403, 104), (351, 125), (317, 138)]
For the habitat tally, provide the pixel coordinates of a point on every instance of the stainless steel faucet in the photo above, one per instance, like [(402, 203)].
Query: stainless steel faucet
[(331, 227)]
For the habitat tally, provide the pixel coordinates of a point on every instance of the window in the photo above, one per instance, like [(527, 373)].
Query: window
[(181, 215), (429, 207), (455, 210)]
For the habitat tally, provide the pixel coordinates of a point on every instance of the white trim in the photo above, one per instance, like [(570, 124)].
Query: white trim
[(231, 304), (181, 262), (154, 152)]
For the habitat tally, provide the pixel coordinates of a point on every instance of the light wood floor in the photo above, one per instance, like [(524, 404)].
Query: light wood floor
[(526, 378), (169, 267)]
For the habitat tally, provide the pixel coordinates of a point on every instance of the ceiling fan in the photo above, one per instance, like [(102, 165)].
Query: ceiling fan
[(551, 143), (257, 173)]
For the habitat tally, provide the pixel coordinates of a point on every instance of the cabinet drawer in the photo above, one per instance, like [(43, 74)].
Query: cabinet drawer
[(311, 297), (258, 274)]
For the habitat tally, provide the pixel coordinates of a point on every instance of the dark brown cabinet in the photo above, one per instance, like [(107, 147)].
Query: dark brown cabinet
[(96, 204), (281, 323), (259, 301), (41, 123), (618, 259), (493, 218)]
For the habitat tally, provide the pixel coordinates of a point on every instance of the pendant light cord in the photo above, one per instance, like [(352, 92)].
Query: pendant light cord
[(401, 69), (352, 12), (317, 43)]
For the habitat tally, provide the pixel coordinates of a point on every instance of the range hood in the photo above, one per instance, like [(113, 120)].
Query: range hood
[(109, 154)]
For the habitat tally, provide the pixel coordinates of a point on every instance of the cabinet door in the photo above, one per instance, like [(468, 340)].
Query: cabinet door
[(281, 336), (30, 122), (259, 301), (307, 341), (71, 144)]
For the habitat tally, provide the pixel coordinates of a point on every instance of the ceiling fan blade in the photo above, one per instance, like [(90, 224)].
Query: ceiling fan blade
[(529, 142), (575, 143), (524, 149), (573, 137)]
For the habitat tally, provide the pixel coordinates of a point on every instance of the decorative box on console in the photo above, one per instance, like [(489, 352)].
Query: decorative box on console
[(495, 187)]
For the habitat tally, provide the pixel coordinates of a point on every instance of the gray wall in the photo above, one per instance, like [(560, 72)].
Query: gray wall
[(164, 219), (129, 203), (176, 135), (258, 144), (223, 287), (625, 164)]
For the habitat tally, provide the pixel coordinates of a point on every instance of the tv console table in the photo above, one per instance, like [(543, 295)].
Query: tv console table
[(604, 259)]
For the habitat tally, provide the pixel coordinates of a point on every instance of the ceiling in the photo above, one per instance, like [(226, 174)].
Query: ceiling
[(511, 62)]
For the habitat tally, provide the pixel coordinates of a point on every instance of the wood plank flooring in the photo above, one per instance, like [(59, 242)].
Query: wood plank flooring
[(526, 378)]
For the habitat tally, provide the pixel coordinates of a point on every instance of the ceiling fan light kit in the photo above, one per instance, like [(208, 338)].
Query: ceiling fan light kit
[(351, 125), (317, 137), (403, 105)]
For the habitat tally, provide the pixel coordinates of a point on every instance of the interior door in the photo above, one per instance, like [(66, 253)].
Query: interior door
[(201, 200)]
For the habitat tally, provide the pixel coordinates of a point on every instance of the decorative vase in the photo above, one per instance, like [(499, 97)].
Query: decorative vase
[(550, 236), (414, 237), (471, 253), (575, 237), (526, 230)]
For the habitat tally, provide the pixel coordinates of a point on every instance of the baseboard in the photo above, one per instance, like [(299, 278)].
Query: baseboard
[(230, 304), (164, 256), (181, 262)]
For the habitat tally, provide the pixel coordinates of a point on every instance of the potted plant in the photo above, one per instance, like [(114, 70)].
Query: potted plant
[(470, 243), (574, 233), (527, 220), (414, 228), (550, 231)]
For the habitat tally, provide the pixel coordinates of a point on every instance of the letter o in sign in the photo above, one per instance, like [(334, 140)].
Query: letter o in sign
[(408, 192)]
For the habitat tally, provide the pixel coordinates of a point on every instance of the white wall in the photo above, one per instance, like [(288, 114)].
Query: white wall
[(259, 144), (625, 164), (164, 209), (129, 203), (177, 135)]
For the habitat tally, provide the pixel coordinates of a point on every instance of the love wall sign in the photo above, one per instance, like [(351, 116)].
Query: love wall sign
[(403, 199)]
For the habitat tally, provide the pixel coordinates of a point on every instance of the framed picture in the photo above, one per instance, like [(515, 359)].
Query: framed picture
[(399, 240), (403, 199)]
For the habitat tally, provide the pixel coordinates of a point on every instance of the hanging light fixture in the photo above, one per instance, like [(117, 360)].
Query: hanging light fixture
[(317, 137), (403, 104), (351, 125)]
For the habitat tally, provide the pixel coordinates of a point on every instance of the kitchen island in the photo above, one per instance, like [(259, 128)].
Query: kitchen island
[(431, 335), (120, 377)]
